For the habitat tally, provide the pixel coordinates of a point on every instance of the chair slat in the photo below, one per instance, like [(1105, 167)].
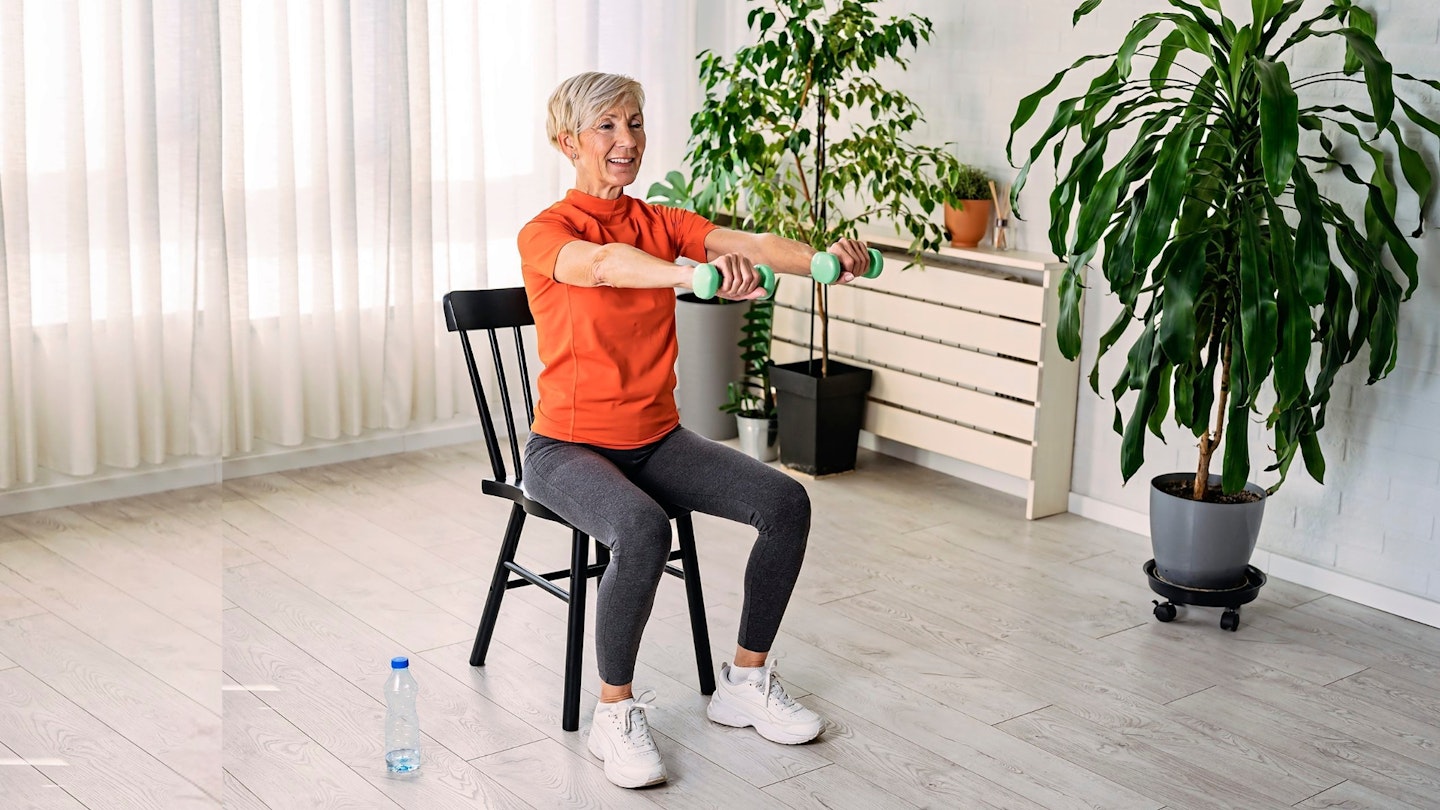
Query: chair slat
[(505, 405)]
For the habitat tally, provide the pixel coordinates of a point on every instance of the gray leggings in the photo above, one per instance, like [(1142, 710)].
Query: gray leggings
[(611, 495)]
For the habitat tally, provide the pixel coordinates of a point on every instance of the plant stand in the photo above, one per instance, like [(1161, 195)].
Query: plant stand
[(1229, 598)]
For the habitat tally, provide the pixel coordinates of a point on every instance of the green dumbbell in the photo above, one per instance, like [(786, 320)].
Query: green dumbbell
[(706, 281), (825, 267)]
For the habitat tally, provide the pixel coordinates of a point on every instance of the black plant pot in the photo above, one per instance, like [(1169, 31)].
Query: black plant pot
[(820, 417)]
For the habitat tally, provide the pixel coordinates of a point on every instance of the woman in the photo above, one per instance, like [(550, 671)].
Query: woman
[(607, 448)]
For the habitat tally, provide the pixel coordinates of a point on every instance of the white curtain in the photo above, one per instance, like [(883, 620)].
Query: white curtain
[(231, 221)]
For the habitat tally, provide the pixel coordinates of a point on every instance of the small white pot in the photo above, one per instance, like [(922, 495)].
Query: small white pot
[(758, 437)]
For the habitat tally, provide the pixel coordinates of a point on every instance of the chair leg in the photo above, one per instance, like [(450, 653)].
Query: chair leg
[(575, 631), (699, 628), (497, 586)]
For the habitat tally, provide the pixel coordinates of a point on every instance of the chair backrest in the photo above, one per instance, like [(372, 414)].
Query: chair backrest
[(489, 311)]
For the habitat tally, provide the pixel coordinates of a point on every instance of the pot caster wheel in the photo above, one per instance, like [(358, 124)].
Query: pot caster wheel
[(1164, 611), (1230, 620)]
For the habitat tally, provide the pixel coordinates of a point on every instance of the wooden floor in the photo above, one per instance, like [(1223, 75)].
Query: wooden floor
[(962, 656)]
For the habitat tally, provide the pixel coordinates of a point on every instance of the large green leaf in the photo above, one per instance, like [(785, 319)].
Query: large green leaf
[(1171, 178), (1279, 123), (1068, 329), (1292, 356), (1236, 467), (1312, 246), (1378, 74), (1258, 311), (1184, 273)]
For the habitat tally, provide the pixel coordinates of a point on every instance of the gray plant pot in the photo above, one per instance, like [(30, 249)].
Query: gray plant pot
[(709, 333), (759, 437), (1202, 545)]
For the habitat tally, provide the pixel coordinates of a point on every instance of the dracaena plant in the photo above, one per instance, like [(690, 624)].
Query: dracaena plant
[(797, 137), (1250, 284)]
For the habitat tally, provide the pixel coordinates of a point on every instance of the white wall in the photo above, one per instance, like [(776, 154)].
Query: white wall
[(1376, 518)]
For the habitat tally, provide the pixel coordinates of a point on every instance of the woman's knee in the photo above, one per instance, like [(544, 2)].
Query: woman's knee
[(786, 507), (642, 537)]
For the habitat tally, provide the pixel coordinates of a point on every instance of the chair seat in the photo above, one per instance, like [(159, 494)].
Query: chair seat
[(517, 494)]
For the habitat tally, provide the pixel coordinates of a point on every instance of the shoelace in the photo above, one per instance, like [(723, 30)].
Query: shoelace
[(641, 704), (773, 689)]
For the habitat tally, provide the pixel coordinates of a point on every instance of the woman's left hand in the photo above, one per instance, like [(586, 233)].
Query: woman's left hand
[(854, 259)]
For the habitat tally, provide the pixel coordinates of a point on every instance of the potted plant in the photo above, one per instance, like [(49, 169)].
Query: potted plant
[(1251, 283), (968, 219), (706, 330), (751, 399), (796, 137)]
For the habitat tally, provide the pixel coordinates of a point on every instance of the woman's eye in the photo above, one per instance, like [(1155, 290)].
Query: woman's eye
[(606, 126), (637, 125)]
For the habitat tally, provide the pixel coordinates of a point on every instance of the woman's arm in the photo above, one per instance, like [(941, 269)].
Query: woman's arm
[(785, 255), (586, 264)]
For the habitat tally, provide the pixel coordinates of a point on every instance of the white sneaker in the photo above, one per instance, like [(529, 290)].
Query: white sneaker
[(760, 701), (620, 737)]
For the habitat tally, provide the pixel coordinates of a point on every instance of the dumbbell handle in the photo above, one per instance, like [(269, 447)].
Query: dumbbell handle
[(707, 279), (826, 269)]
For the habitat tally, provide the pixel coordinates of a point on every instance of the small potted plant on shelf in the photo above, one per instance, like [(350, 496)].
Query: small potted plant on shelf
[(751, 399), (797, 137), (969, 218), (1252, 283)]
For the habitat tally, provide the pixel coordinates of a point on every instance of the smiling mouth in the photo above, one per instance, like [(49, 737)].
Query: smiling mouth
[(622, 161)]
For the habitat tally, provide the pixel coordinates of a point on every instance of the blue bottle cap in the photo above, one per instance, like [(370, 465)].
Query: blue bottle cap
[(400, 662)]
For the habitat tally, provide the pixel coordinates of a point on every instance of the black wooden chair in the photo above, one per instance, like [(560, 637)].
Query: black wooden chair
[(490, 311)]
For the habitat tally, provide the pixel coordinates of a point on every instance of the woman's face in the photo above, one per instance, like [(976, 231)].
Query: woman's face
[(609, 151)]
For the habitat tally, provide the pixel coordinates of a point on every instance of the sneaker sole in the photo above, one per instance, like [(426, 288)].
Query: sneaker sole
[(618, 781), (726, 716)]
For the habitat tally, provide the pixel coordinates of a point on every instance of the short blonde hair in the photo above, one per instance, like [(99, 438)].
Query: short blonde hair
[(581, 99)]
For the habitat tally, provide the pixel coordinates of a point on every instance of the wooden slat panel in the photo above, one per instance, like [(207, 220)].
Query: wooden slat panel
[(942, 399), (985, 449), (957, 288), (1000, 335), (1012, 377)]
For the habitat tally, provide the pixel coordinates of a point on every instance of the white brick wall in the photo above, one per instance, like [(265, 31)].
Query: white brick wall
[(1376, 517)]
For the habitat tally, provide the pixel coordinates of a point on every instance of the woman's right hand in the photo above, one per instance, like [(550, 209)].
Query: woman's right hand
[(739, 280)]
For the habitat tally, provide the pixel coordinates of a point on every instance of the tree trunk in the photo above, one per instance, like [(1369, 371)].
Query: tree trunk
[(1209, 443)]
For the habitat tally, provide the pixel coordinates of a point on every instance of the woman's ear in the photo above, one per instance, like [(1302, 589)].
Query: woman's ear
[(569, 145)]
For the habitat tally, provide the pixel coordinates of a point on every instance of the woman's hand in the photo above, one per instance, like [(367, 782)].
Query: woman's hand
[(739, 280), (854, 259)]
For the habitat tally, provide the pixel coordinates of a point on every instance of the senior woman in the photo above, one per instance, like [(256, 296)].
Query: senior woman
[(606, 447)]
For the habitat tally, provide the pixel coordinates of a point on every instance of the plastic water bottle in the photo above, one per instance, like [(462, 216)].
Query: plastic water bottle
[(402, 724)]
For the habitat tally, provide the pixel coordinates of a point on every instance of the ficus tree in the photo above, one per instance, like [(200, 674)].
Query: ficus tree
[(798, 137), (1251, 281)]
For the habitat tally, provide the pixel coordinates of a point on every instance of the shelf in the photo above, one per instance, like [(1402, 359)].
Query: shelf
[(1017, 259)]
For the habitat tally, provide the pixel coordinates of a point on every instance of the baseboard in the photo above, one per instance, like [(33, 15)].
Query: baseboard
[(267, 459), (58, 491), (1335, 583)]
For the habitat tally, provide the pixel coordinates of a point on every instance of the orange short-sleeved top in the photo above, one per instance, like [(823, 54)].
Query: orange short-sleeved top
[(609, 354)]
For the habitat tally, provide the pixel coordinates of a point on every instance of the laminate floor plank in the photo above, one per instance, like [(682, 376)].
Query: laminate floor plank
[(390, 508), (124, 696), (1108, 703), (834, 788), (1350, 796), (138, 569), (366, 593), (347, 530), (1367, 622), (1307, 738), (176, 654), (1132, 762), (239, 797), (91, 762), (285, 769), (166, 528), (14, 606), (24, 787), (549, 775), (361, 656)]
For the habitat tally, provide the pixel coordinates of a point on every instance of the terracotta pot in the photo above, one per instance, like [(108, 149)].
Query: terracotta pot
[(967, 225)]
